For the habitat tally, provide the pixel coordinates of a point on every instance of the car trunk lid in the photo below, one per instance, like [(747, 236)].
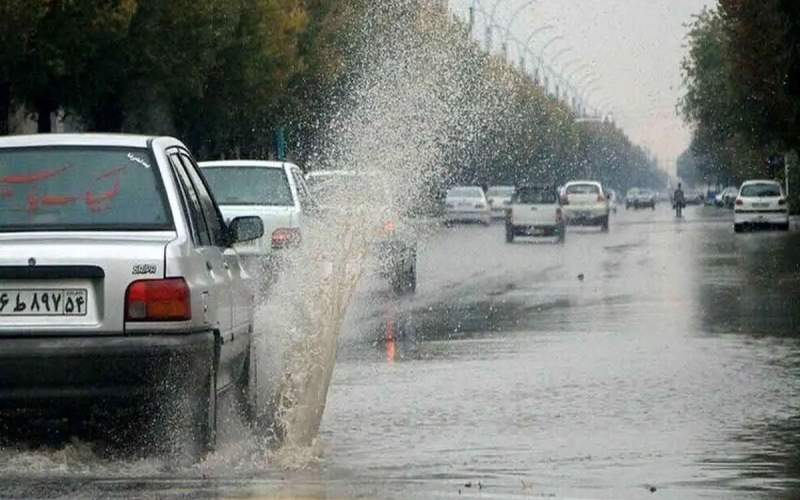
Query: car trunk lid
[(73, 283)]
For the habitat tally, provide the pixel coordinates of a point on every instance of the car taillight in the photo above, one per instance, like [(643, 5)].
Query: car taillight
[(158, 300), (284, 237), (739, 201), (782, 201), (601, 198)]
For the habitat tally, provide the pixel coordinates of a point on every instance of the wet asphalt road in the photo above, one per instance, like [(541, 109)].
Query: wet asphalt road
[(660, 360)]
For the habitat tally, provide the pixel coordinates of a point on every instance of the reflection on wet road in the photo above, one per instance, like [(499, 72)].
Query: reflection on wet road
[(660, 360), (660, 355)]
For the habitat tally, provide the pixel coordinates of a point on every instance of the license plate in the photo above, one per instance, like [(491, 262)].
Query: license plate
[(760, 205), (43, 302)]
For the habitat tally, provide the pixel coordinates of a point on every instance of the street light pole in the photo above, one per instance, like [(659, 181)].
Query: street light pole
[(510, 23)]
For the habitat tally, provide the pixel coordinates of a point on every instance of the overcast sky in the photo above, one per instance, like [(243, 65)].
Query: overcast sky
[(634, 47)]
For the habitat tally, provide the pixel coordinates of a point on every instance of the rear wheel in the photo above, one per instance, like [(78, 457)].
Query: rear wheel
[(784, 226), (604, 224), (509, 232), (204, 409), (738, 228)]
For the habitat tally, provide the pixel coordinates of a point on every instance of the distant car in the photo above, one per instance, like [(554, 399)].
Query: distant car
[(640, 198), (694, 197), (396, 243), (584, 203), (727, 197), (761, 203), (499, 198), (467, 204), (535, 211), (118, 285), (273, 191)]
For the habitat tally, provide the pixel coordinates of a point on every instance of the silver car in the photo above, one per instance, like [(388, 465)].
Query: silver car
[(118, 284)]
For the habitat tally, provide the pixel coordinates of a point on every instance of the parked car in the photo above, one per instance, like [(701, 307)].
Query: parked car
[(761, 203), (584, 203), (467, 204), (499, 198), (118, 286), (396, 244), (276, 192), (640, 198), (727, 197), (694, 197), (535, 211)]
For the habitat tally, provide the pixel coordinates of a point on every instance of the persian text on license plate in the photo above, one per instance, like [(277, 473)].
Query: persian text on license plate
[(43, 302)]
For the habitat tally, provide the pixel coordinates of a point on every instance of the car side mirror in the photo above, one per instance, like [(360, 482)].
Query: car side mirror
[(242, 229)]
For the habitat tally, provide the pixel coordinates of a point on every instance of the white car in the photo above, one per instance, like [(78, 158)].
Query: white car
[(467, 204), (535, 211), (760, 203), (585, 204), (274, 191), (118, 285), (499, 198)]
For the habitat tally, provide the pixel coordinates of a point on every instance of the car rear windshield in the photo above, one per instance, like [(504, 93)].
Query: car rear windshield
[(465, 192), (81, 188), (761, 191), (500, 191), (583, 189), (233, 185), (536, 196)]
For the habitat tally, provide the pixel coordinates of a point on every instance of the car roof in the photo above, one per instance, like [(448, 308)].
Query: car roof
[(330, 173), (451, 188), (573, 183), (245, 163), (50, 140), (760, 181)]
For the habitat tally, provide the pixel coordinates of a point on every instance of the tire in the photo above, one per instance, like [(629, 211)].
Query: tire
[(604, 224), (738, 228), (783, 227), (509, 233)]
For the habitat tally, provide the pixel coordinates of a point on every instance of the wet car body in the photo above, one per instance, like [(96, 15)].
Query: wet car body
[(467, 204), (640, 198), (761, 203), (584, 204), (278, 195), (499, 198), (160, 307), (535, 211)]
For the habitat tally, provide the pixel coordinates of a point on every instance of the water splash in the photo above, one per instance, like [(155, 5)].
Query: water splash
[(405, 115)]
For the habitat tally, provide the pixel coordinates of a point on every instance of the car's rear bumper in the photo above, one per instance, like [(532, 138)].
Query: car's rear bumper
[(536, 229), (466, 216), (585, 215), (58, 371), (760, 217)]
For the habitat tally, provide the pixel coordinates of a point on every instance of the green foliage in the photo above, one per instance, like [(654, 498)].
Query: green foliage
[(223, 74)]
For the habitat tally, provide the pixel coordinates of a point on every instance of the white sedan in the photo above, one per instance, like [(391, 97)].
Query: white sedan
[(760, 203), (467, 204)]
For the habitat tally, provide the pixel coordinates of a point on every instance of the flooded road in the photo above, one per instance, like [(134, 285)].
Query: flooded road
[(660, 360)]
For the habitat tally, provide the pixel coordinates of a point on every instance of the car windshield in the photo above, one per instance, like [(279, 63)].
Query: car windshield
[(247, 185), (583, 189), (465, 192), (500, 192), (764, 190), (81, 188), (533, 196)]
